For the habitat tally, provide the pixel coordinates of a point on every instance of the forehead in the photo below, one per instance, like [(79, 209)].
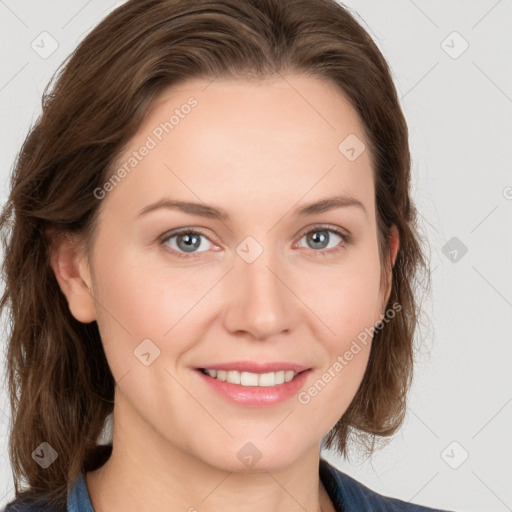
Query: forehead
[(275, 139), (293, 107)]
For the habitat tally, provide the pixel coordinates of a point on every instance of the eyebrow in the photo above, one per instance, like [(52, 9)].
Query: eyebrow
[(213, 212)]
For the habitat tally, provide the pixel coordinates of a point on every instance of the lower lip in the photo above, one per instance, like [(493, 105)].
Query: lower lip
[(256, 396)]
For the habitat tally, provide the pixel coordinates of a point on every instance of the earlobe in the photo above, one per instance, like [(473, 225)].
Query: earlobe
[(72, 273)]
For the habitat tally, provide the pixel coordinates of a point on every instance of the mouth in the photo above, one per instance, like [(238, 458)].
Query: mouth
[(259, 388), (250, 379)]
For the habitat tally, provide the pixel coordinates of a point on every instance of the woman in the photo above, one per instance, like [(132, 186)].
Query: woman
[(211, 238)]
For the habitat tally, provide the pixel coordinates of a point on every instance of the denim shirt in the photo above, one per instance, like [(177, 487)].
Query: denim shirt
[(346, 493)]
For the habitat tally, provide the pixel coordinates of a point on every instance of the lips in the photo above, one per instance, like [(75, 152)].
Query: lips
[(256, 367), (256, 396)]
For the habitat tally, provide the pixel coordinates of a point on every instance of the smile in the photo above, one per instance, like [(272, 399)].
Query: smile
[(251, 379)]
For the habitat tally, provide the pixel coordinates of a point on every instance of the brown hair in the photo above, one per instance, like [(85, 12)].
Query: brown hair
[(61, 388)]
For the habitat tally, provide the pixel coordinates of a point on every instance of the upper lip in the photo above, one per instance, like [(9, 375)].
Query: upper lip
[(254, 367)]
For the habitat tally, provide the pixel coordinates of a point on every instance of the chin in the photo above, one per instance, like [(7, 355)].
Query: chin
[(248, 457)]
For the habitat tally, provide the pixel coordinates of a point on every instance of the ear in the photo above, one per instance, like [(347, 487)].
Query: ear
[(72, 272), (394, 244)]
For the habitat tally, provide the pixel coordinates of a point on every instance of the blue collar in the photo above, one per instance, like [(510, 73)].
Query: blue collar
[(78, 496)]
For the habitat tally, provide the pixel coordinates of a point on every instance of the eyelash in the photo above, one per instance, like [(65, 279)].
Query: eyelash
[(346, 240)]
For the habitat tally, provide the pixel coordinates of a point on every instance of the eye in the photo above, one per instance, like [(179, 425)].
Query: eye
[(320, 237), (186, 242)]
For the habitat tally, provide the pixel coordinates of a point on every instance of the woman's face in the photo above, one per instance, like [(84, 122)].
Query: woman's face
[(263, 284)]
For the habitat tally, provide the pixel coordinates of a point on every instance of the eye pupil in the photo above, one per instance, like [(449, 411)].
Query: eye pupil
[(192, 241)]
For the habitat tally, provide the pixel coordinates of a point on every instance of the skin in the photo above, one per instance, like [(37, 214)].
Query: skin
[(258, 150)]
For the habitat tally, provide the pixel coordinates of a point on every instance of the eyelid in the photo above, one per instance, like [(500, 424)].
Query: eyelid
[(344, 233), (178, 231)]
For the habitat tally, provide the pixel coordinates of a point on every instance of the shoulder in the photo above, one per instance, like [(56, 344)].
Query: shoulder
[(349, 495)]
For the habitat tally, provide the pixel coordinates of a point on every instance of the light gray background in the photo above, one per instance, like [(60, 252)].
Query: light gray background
[(459, 110)]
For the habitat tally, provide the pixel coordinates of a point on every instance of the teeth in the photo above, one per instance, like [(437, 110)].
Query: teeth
[(252, 379)]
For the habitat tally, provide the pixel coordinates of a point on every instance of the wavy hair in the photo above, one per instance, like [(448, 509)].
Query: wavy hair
[(61, 389)]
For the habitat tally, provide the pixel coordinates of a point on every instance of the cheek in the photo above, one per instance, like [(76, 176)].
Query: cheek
[(330, 394), (345, 300), (141, 298)]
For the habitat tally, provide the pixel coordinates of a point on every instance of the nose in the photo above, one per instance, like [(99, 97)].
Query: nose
[(260, 300)]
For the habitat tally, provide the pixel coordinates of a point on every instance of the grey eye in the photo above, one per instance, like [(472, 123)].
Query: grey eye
[(187, 241), (318, 238)]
